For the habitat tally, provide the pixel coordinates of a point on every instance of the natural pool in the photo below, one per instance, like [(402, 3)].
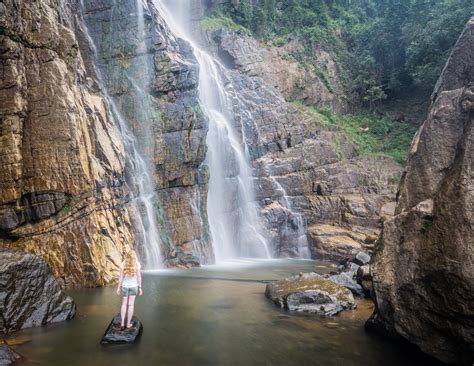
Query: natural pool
[(214, 315)]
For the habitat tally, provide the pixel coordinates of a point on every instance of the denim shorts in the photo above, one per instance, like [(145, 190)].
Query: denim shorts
[(132, 291)]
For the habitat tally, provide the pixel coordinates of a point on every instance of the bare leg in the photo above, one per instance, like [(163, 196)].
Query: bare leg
[(131, 303), (123, 310)]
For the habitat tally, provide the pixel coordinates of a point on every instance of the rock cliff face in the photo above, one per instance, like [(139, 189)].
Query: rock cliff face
[(310, 182), (62, 183), (66, 192), (152, 78), (316, 84), (76, 72), (423, 268)]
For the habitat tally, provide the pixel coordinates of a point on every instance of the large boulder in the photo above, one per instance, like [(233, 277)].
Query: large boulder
[(29, 293), (310, 293), (423, 265)]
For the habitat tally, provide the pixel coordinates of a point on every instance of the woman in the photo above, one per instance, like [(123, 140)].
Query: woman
[(130, 285)]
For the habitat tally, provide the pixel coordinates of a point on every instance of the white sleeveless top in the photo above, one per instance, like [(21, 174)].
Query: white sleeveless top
[(131, 281)]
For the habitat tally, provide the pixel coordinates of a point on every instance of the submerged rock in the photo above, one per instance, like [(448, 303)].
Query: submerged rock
[(7, 355), (29, 294), (310, 293), (422, 267), (115, 335)]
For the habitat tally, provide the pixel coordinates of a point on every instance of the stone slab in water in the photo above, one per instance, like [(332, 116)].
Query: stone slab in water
[(310, 292), (114, 335)]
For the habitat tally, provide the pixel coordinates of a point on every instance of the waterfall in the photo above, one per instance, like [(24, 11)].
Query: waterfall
[(298, 220), (234, 222), (137, 169)]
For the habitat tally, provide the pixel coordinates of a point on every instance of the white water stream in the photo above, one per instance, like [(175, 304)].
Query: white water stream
[(234, 223)]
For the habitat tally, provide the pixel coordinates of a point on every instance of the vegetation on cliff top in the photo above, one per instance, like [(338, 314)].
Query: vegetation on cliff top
[(371, 134), (385, 49), (384, 46)]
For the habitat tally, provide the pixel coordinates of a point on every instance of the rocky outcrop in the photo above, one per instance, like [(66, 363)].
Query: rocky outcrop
[(306, 173), (84, 80), (423, 267), (74, 74), (152, 79), (314, 81), (30, 296), (312, 293), (62, 187)]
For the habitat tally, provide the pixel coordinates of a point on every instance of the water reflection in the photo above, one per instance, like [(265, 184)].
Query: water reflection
[(189, 320)]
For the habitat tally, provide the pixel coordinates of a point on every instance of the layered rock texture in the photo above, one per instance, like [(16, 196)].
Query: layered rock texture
[(65, 190), (62, 184), (30, 296), (316, 84), (314, 189), (423, 268), (151, 78), (94, 91)]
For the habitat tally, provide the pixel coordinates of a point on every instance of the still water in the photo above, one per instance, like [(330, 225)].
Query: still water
[(214, 315)]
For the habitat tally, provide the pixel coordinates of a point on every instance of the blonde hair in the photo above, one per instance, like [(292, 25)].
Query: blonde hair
[(130, 264)]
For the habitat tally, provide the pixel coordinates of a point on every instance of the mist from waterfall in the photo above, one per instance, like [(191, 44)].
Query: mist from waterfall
[(137, 169), (234, 222)]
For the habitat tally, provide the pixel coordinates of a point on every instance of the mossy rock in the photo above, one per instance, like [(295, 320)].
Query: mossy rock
[(310, 293)]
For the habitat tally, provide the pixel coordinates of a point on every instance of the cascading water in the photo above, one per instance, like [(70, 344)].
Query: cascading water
[(232, 210), (297, 221), (292, 232), (137, 170)]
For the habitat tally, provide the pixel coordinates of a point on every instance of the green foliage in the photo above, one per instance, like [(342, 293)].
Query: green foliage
[(217, 21), (370, 133), (382, 46)]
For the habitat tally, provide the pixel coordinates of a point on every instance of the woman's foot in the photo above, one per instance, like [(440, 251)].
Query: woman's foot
[(129, 325)]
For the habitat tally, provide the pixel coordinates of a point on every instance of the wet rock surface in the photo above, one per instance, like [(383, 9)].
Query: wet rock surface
[(312, 293), (8, 356), (115, 335), (302, 175), (306, 173), (352, 275), (153, 80), (423, 273), (30, 296)]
